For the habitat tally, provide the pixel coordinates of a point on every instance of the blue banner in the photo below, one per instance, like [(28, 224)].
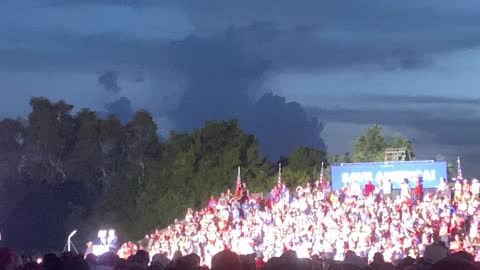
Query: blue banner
[(430, 171)]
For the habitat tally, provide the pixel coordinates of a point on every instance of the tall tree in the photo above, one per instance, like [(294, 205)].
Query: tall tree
[(12, 134), (49, 138), (370, 146), (85, 161), (141, 143), (140, 149), (111, 144), (11, 144), (84, 170), (304, 165), (306, 159)]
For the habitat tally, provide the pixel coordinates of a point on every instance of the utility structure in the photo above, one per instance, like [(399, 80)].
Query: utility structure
[(397, 154)]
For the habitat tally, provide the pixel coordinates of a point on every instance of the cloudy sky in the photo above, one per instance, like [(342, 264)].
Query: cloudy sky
[(274, 64)]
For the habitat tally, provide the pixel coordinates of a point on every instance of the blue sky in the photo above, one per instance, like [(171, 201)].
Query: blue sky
[(408, 65)]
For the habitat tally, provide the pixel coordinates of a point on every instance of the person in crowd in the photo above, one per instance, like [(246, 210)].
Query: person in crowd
[(387, 189), (475, 188), (355, 189), (212, 204), (89, 249), (369, 188), (458, 189), (405, 191), (419, 189), (379, 263)]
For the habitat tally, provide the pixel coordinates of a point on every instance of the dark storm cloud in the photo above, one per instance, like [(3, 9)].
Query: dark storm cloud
[(109, 81), (282, 126), (332, 33), (452, 127), (121, 108), (415, 99), (221, 82), (132, 3), (69, 52), (223, 72), (307, 35)]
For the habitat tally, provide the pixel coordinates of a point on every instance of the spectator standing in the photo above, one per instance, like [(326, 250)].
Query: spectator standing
[(458, 189), (355, 189), (405, 191), (475, 188), (419, 190), (387, 189), (369, 188)]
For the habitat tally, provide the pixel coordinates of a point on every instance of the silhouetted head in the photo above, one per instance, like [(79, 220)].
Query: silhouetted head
[(378, 258), (142, 258), (226, 260), (108, 259), (160, 260)]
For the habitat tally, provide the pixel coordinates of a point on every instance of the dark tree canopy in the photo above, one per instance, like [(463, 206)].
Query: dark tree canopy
[(371, 145)]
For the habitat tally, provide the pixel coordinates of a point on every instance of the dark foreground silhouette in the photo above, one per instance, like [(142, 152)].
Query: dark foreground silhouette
[(227, 260)]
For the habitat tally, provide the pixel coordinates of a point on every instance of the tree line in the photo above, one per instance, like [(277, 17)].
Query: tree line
[(62, 170)]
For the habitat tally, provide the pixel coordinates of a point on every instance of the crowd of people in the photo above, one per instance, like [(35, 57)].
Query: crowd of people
[(314, 221), (364, 227)]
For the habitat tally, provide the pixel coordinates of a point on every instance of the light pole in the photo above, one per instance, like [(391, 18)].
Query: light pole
[(70, 244)]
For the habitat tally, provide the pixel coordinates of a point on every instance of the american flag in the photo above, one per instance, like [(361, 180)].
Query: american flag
[(459, 169), (239, 179), (321, 175), (279, 182), (321, 182)]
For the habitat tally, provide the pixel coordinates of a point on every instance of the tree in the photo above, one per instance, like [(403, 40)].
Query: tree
[(11, 147), (452, 170), (111, 144), (293, 178), (50, 136), (85, 162), (451, 166), (337, 158), (370, 146), (306, 159), (140, 148), (304, 165), (12, 134)]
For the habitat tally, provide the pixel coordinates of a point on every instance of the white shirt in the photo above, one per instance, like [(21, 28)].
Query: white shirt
[(442, 185), (475, 188), (458, 186), (387, 187), (405, 191), (355, 189)]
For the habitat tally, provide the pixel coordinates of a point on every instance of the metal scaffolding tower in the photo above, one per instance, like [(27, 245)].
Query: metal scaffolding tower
[(397, 154)]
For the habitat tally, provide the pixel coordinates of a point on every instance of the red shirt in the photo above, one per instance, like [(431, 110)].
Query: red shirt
[(259, 263), (419, 190), (369, 188)]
